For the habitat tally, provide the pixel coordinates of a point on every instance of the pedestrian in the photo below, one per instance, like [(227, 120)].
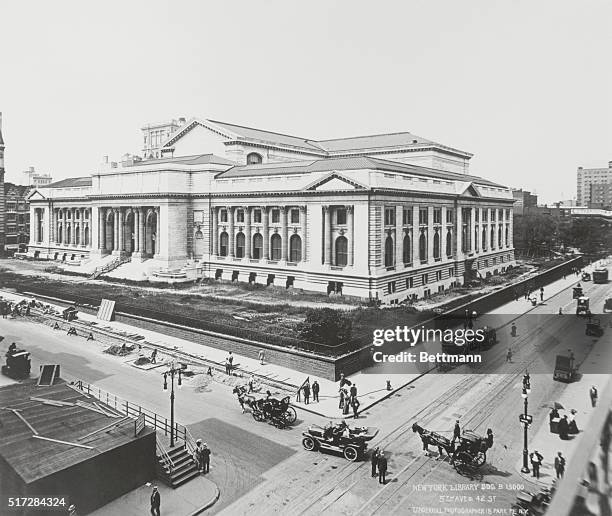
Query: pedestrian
[(536, 460), (315, 391), (526, 294), (251, 383), (560, 465), (355, 405), (489, 438), (593, 395), (155, 502), (560, 310), (541, 293), (509, 355), (347, 403), (572, 427), (205, 458), (344, 380), (154, 356), (554, 414), (229, 359), (261, 356), (382, 467), (306, 390), (526, 381), (457, 432), (374, 461), (563, 428), (513, 330), (341, 403), (197, 454), (353, 391)]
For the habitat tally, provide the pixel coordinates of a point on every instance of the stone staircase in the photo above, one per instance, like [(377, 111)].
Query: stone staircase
[(110, 266), (176, 467)]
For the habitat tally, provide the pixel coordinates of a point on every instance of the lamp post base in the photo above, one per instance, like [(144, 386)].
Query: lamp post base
[(524, 470)]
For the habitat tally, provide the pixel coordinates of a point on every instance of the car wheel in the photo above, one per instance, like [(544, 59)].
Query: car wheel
[(309, 443), (350, 453)]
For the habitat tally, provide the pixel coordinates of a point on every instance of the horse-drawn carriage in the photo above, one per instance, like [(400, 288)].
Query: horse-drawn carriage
[(276, 412), (469, 454), (351, 442)]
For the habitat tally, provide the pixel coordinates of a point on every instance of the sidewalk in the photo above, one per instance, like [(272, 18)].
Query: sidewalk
[(371, 386), (575, 396), (191, 498)]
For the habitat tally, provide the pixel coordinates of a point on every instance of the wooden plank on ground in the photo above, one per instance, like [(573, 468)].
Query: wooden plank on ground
[(79, 445), (112, 425)]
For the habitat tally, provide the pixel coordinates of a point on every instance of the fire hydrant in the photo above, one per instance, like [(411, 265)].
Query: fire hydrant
[(389, 385)]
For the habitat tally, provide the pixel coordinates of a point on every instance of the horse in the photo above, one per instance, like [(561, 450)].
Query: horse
[(428, 437), (243, 398)]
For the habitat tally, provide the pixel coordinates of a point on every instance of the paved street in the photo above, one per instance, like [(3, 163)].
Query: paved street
[(260, 469)]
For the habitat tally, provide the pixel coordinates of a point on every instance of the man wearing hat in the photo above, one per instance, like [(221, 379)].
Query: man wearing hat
[(205, 458), (155, 502), (198, 456)]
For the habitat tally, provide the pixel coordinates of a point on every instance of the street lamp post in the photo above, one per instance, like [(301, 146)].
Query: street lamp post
[(172, 372), (525, 420)]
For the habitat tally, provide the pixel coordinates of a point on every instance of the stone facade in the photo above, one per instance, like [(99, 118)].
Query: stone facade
[(289, 213)]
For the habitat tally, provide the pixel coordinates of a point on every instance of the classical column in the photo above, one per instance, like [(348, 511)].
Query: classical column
[(157, 229), (399, 236), (136, 215), (121, 230), (327, 235), (232, 231), (459, 232), (351, 227), (115, 229), (215, 231), (510, 228), (284, 233), (444, 231), (416, 233), (473, 229), (303, 231), (430, 234), (247, 232), (65, 235), (266, 232), (141, 230)]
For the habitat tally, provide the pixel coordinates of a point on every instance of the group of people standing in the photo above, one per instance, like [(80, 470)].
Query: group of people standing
[(348, 396), (379, 465)]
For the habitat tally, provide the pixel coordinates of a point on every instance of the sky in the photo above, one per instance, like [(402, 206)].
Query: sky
[(524, 85)]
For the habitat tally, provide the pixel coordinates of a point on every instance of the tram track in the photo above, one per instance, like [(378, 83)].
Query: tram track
[(473, 419)]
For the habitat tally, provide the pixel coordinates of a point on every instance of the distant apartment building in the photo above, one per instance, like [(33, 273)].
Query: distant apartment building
[(600, 196), (17, 217), (591, 176), (523, 200)]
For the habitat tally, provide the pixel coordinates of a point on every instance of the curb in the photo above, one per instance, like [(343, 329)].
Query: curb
[(531, 479), (210, 502), (386, 396)]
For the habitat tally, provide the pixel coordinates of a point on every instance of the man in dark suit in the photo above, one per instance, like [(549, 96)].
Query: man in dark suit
[(457, 431), (374, 460), (155, 502), (382, 468), (315, 391), (306, 390)]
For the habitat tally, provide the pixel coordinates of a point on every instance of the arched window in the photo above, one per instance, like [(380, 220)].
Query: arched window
[(436, 245), (254, 159), (492, 238), (240, 245), (484, 239), (499, 238), (276, 245), (341, 251), (295, 248), (257, 246), (423, 247), (449, 244), (407, 250), (223, 244), (199, 235), (389, 258)]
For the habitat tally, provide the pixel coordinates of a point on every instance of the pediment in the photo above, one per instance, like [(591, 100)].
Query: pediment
[(470, 191), (335, 181), (36, 196)]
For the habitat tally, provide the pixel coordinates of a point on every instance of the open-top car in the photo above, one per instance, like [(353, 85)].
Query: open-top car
[(351, 442)]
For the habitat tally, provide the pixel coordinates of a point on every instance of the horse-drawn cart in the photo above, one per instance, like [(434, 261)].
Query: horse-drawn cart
[(279, 413)]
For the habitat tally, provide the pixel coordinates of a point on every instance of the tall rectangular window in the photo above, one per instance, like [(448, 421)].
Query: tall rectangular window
[(295, 216), (341, 216), (424, 279), (275, 216), (423, 216), (407, 217), (437, 215), (257, 216), (389, 216), (449, 216), (223, 216), (240, 216)]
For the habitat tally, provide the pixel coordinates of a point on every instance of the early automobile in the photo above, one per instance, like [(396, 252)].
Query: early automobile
[(600, 275), (18, 363), (582, 306), (594, 328), (351, 442), (586, 276), (564, 369)]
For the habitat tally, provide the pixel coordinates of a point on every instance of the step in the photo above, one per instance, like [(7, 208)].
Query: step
[(186, 477), (181, 465)]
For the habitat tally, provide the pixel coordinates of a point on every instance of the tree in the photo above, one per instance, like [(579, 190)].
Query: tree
[(325, 326), (534, 233), (590, 235)]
